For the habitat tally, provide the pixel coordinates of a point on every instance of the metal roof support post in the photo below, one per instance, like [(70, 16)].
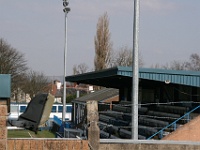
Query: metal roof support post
[(66, 10), (135, 71)]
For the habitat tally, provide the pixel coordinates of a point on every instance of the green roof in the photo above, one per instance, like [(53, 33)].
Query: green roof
[(119, 77), (190, 78)]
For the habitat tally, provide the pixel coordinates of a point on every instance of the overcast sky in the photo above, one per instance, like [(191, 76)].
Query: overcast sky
[(169, 30)]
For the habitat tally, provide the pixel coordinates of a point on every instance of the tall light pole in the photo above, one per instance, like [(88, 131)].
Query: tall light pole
[(66, 10), (135, 71)]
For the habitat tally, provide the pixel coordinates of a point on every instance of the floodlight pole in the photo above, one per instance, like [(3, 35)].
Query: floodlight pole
[(135, 71), (66, 10)]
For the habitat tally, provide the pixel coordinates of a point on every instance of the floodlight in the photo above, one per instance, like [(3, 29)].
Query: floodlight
[(67, 9), (65, 3)]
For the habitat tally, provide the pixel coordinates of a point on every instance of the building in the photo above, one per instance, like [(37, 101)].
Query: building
[(164, 97)]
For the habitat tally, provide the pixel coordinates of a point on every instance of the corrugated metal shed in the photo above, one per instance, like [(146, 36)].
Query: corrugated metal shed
[(5, 86), (119, 77)]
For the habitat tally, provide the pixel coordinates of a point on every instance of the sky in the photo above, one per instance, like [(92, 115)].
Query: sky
[(169, 30)]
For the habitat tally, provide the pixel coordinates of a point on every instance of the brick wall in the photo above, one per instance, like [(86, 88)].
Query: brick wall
[(3, 129), (148, 146), (118, 144), (46, 144), (189, 131), (75, 144), (72, 144)]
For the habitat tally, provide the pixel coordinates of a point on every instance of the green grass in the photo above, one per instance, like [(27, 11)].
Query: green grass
[(29, 134)]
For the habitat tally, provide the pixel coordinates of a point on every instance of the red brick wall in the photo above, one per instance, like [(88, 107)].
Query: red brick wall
[(47, 144), (35, 143), (3, 129), (188, 132)]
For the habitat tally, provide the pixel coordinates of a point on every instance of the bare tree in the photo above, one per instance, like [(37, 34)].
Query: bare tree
[(175, 65), (35, 83), (12, 62), (103, 44), (194, 63), (157, 65), (124, 58), (79, 69)]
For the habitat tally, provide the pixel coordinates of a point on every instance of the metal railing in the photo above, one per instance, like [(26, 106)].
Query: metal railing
[(57, 120), (173, 124), (72, 133)]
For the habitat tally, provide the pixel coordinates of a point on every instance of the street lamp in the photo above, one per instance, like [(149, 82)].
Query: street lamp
[(135, 71), (66, 10)]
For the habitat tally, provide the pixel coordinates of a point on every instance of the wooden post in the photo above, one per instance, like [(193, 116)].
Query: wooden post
[(93, 128)]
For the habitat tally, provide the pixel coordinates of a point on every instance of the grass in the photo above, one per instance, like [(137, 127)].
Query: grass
[(29, 134)]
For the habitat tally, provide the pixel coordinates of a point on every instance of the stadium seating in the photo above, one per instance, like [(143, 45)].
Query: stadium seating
[(116, 123), (173, 109)]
